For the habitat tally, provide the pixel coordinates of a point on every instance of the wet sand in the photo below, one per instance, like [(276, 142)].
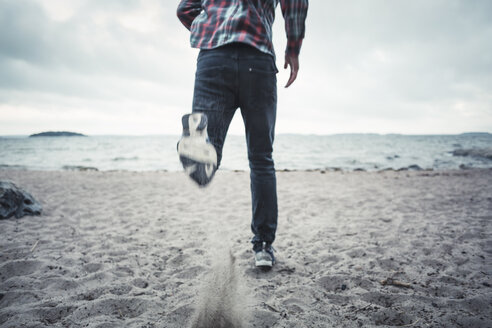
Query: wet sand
[(150, 249)]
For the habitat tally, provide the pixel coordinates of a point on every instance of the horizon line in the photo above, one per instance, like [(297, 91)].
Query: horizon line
[(277, 134)]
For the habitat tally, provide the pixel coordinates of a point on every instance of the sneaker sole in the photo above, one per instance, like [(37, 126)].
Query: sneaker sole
[(197, 149), (264, 263), (197, 155), (193, 144)]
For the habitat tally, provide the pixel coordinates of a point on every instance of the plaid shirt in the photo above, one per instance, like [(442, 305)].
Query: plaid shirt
[(214, 23)]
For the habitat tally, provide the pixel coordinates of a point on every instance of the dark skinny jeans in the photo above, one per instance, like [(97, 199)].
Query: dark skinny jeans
[(240, 76)]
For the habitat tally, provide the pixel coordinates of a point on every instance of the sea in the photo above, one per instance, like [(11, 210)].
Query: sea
[(346, 152)]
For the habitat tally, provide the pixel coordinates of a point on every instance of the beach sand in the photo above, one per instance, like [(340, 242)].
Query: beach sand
[(150, 249)]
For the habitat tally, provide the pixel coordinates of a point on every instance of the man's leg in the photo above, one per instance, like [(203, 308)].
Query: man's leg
[(213, 94), (258, 102)]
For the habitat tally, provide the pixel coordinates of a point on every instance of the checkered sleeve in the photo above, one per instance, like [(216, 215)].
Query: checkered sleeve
[(188, 10), (294, 12)]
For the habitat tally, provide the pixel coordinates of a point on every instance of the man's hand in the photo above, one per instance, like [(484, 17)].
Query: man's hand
[(293, 62)]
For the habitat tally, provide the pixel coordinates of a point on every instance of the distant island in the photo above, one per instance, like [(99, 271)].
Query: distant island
[(57, 134)]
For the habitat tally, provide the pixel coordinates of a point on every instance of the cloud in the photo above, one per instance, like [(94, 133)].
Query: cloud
[(96, 40), (111, 57), (379, 66), (400, 63)]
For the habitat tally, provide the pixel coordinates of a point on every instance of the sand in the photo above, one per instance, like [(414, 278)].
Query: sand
[(150, 249)]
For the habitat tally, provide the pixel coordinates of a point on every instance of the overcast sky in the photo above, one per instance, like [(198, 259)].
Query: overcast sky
[(126, 67)]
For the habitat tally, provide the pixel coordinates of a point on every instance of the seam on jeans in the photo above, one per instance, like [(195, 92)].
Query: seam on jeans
[(211, 68), (260, 71)]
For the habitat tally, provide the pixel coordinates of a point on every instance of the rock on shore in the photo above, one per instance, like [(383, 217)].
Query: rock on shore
[(15, 201)]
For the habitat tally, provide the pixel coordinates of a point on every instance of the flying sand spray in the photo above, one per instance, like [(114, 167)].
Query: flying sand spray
[(223, 301)]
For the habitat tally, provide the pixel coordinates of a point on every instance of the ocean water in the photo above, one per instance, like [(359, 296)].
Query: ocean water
[(291, 152)]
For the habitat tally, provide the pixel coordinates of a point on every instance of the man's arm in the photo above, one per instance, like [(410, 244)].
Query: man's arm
[(188, 10), (294, 12)]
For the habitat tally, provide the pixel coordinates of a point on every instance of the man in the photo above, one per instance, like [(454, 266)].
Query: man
[(236, 69)]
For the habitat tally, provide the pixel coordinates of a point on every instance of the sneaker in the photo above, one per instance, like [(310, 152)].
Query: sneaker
[(264, 256), (196, 153)]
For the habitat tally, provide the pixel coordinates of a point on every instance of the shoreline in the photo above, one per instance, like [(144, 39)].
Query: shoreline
[(291, 152), (411, 168)]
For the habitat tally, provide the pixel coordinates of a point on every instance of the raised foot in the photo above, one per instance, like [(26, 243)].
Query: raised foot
[(196, 153)]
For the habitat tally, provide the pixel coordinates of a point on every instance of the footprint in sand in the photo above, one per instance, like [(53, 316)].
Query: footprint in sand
[(123, 271), (120, 289), (333, 283), (140, 283), (294, 305), (93, 267), (384, 300), (91, 295), (120, 307), (15, 297), (391, 317), (18, 268), (53, 315)]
